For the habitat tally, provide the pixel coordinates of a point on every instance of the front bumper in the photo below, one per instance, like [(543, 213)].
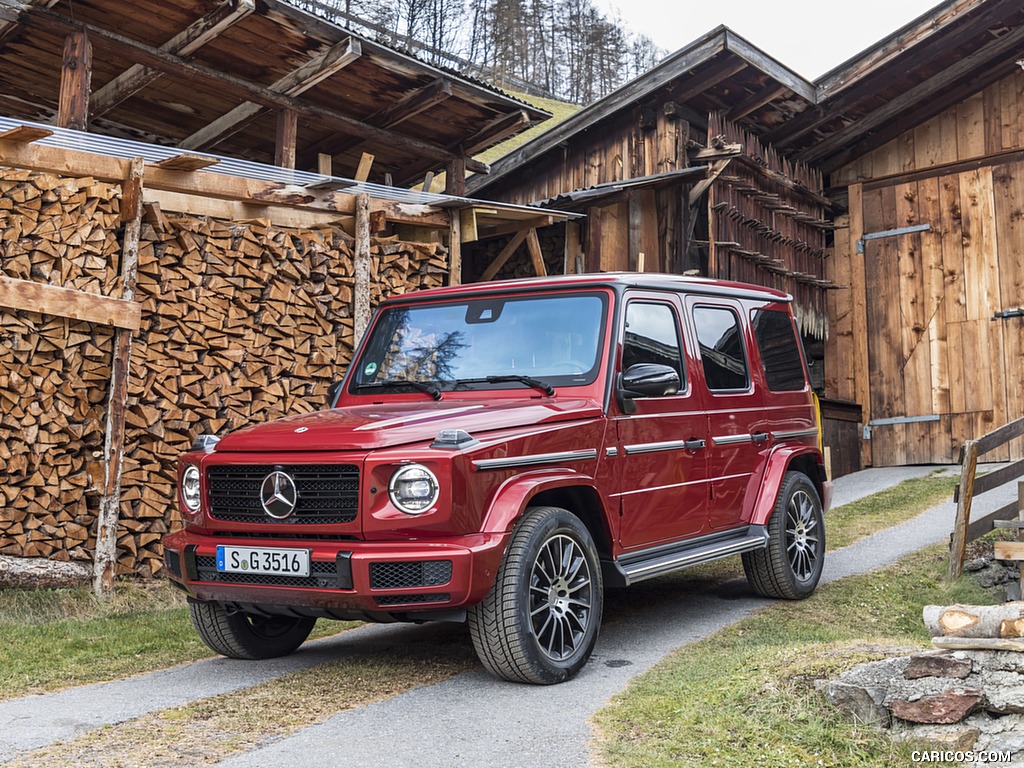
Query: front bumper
[(349, 579)]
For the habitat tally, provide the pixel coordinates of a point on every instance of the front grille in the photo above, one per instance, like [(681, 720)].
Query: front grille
[(327, 493), (443, 597), (321, 576), (405, 575), (173, 561)]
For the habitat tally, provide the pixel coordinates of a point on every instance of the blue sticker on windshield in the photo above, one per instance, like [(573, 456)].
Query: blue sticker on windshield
[(370, 369)]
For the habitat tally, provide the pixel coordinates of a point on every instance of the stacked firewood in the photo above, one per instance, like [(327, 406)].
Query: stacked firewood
[(242, 322), (54, 372)]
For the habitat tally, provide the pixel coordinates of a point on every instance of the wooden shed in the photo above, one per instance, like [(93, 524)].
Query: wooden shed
[(886, 196), (151, 290)]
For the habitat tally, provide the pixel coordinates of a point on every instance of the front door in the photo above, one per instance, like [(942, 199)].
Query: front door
[(660, 450)]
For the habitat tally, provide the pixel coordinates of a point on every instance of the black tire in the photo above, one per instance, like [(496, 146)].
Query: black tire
[(239, 635), (790, 566), (539, 622)]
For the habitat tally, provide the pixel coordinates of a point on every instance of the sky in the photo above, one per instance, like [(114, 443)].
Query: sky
[(808, 36)]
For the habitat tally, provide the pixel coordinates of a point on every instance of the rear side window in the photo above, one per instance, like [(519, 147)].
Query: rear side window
[(721, 348), (780, 351), (652, 336)]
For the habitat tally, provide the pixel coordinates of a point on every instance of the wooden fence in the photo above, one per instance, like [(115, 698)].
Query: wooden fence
[(970, 487)]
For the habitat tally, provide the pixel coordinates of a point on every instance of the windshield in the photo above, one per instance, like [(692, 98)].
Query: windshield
[(552, 339)]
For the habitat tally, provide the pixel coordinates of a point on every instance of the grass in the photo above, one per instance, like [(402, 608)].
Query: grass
[(56, 638), (745, 696)]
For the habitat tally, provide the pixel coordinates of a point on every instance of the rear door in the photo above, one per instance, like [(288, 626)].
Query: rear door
[(738, 431)]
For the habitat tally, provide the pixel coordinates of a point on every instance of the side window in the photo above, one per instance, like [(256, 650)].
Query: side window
[(780, 351), (721, 348), (652, 336)]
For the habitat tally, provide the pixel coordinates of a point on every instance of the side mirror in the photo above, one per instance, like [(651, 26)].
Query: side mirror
[(646, 380), (332, 393)]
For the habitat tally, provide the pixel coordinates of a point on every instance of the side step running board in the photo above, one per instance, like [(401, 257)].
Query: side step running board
[(657, 561)]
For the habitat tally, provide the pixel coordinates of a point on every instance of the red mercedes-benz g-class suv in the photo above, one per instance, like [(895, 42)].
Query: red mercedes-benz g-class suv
[(500, 453)]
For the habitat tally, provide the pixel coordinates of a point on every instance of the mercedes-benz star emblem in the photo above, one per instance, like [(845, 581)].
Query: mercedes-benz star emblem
[(278, 495)]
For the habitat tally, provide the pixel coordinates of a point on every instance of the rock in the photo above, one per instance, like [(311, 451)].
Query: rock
[(1005, 692), (943, 738), (862, 705), (976, 564), (999, 734), (952, 706), (937, 665)]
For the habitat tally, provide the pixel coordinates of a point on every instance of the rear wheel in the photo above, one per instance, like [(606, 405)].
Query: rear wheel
[(790, 566), (539, 622), (240, 635)]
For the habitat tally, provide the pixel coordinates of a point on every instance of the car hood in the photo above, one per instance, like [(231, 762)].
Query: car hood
[(367, 427)]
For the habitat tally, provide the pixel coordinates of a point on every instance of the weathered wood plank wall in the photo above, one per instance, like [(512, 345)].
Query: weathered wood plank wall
[(932, 351)]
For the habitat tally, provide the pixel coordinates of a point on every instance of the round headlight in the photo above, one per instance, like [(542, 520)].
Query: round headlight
[(413, 489), (190, 488)]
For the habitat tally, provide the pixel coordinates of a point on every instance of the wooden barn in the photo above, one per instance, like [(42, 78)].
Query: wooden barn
[(886, 197)]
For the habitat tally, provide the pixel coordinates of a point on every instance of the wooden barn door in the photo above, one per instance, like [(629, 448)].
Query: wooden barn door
[(941, 257)]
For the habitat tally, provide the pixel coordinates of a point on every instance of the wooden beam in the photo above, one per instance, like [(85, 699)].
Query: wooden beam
[(499, 129), (536, 255), (361, 259), (227, 85), (25, 134), (501, 258), (1009, 550), (698, 189), (515, 225), (75, 82), (755, 102), (186, 162), (185, 43), (287, 138), (105, 558), (233, 210), (296, 82), (67, 302), (467, 225), (406, 108), (363, 170)]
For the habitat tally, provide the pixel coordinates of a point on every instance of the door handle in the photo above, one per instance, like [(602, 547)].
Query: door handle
[(759, 437), (694, 444)]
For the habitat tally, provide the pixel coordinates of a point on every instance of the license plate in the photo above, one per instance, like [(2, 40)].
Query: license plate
[(282, 562)]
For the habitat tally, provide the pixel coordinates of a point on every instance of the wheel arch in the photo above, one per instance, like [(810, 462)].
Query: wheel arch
[(802, 459), (574, 493)]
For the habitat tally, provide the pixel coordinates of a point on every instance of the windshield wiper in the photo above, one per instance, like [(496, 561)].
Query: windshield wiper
[(434, 392), (529, 381)]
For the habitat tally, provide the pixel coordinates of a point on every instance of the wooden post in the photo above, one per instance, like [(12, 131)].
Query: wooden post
[(105, 558), (958, 546), (75, 82), (287, 136), (455, 248), (455, 178), (365, 164), (361, 300), (325, 164), (536, 255)]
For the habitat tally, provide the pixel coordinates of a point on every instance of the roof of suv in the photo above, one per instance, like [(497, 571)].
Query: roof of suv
[(616, 280)]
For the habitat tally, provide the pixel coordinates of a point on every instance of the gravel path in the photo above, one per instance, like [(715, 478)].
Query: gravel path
[(470, 719)]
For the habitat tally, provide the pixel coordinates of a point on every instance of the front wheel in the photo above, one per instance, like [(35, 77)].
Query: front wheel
[(539, 622), (240, 635), (790, 566)]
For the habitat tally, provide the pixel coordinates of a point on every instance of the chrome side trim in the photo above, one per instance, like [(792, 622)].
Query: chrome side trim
[(812, 432), (611, 452), (732, 439), (671, 445), (536, 458)]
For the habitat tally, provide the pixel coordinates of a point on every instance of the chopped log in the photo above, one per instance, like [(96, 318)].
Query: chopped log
[(39, 573), (978, 644), (974, 621)]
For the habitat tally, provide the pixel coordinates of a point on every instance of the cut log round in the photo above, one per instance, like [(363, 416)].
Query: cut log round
[(997, 621)]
